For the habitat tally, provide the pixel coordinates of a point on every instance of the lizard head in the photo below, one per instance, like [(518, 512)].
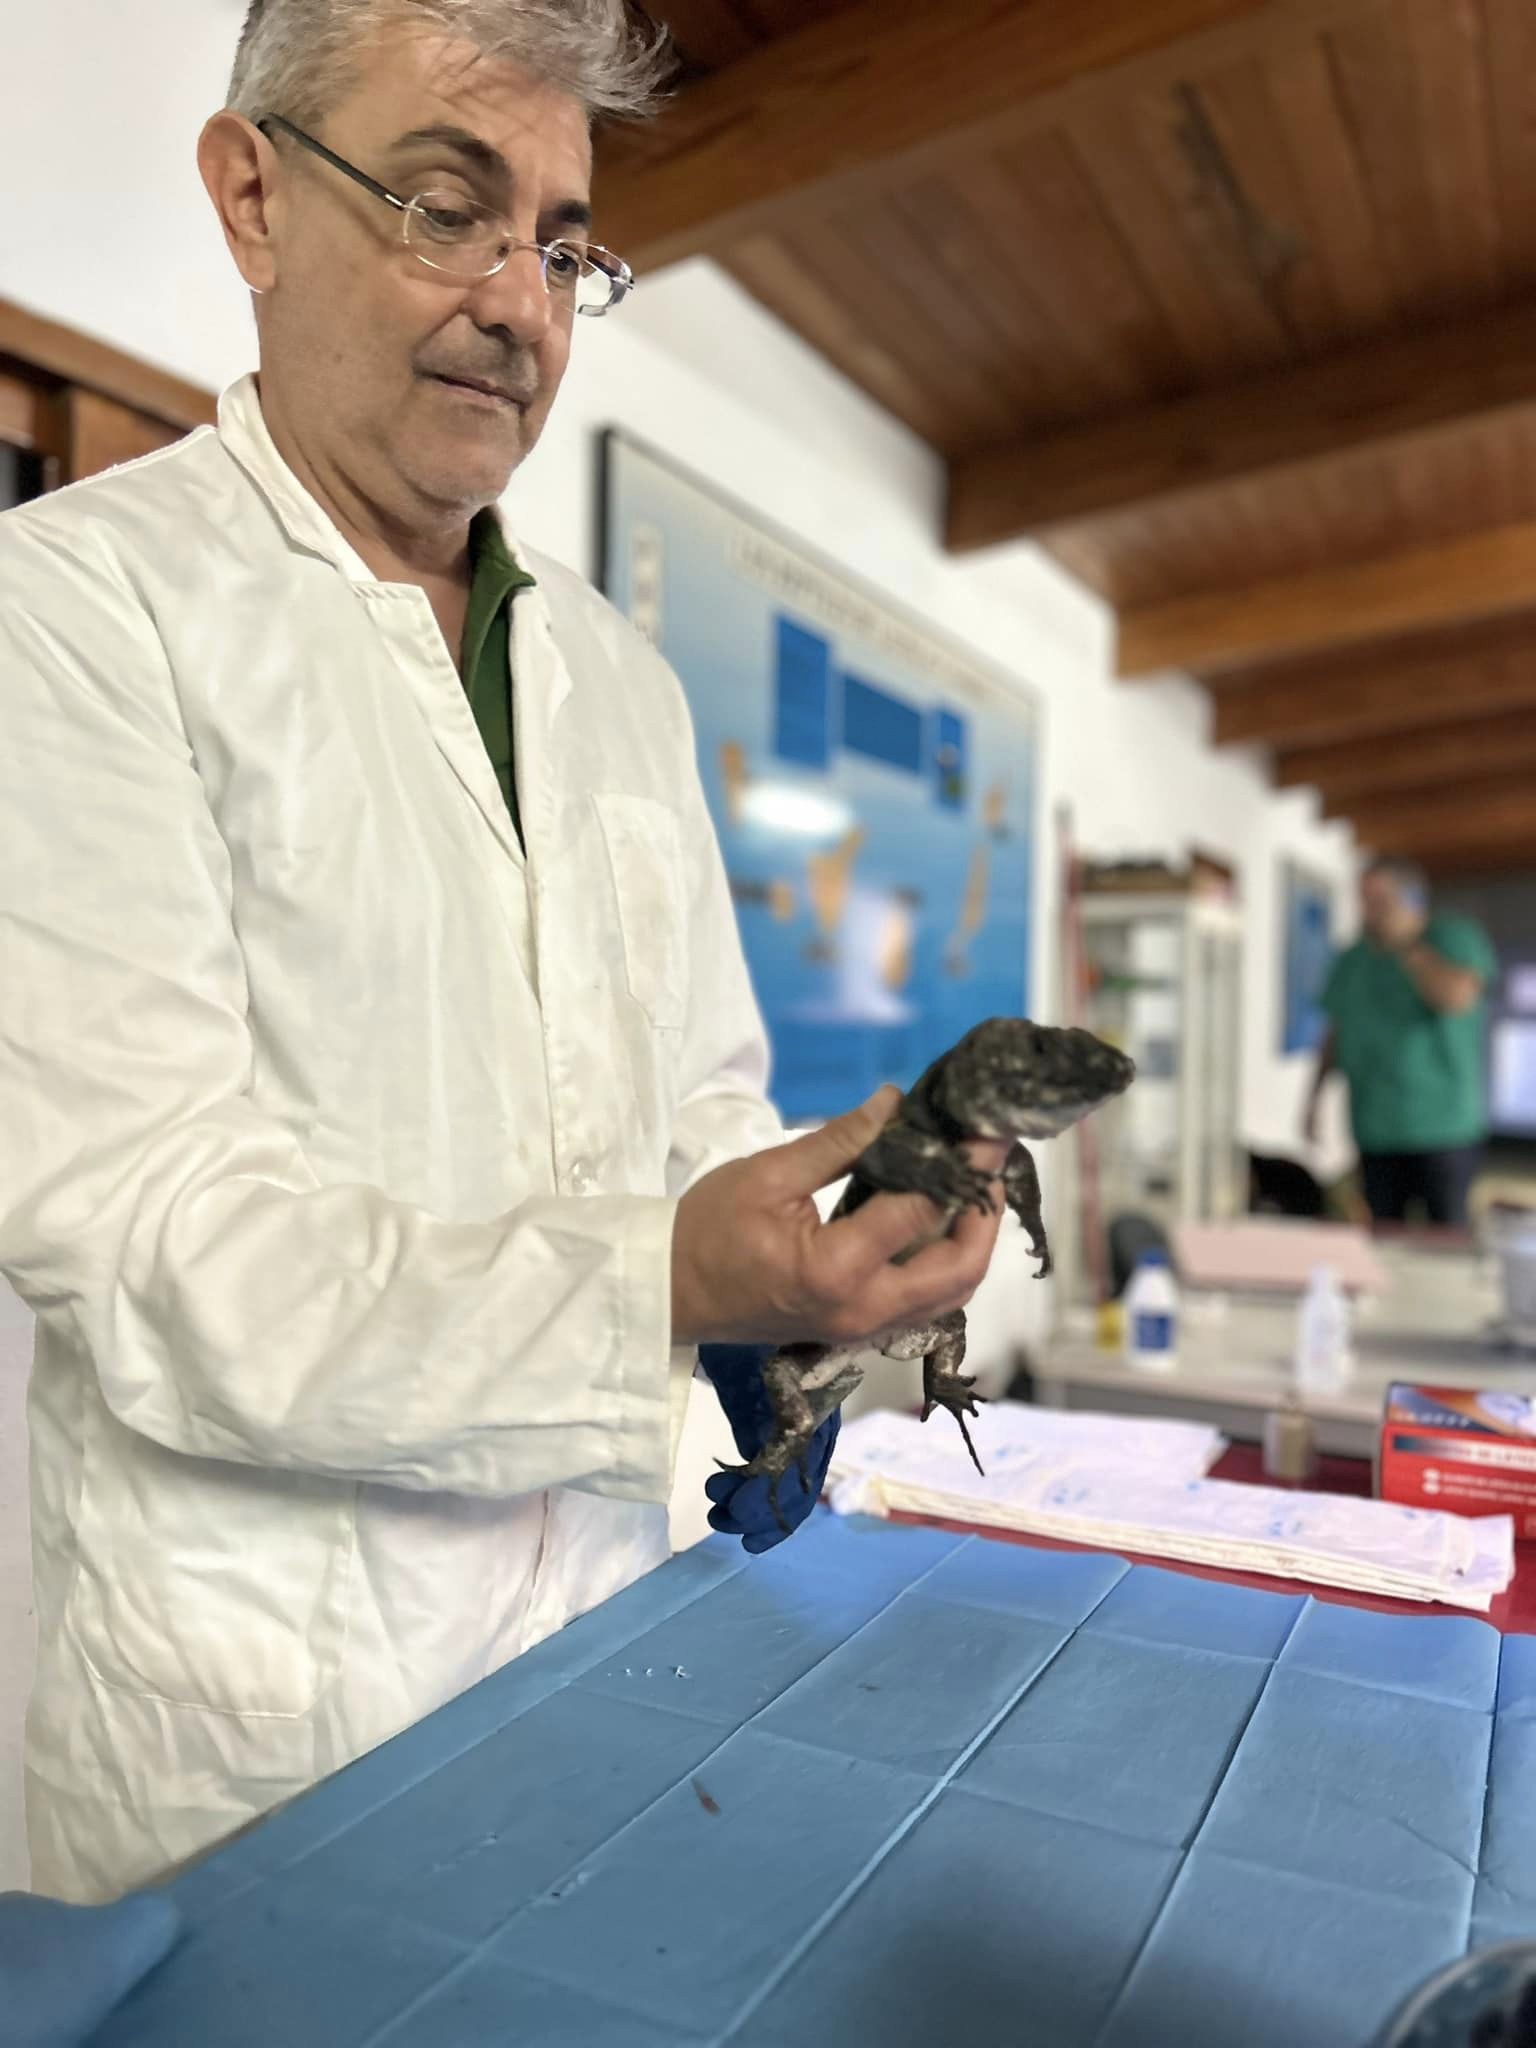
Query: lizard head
[(1010, 1078)]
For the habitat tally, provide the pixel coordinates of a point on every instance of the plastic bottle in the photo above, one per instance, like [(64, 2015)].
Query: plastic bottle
[(1323, 1357), (1152, 1315), (1290, 1449)]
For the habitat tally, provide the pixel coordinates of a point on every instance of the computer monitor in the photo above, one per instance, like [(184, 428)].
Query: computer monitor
[(1512, 1077)]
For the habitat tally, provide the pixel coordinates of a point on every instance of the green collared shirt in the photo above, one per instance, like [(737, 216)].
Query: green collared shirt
[(486, 658), (1416, 1075)]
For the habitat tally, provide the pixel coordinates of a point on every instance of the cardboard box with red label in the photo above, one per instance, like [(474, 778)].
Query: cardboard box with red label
[(1465, 1452)]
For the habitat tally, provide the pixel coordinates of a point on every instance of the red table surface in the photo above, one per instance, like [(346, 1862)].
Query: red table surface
[(1513, 1613)]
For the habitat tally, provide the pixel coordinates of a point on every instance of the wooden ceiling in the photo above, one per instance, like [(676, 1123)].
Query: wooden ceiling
[(1231, 304)]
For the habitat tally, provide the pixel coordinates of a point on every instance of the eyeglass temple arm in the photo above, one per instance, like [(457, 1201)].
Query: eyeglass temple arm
[(620, 275), (269, 121)]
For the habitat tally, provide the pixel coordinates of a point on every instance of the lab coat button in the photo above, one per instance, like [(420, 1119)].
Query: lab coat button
[(581, 1175)]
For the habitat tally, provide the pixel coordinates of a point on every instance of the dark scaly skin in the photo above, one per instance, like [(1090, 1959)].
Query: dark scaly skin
[(1009, 1080)]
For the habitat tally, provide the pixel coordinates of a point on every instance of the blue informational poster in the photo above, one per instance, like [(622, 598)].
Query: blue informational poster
[(873, 785), (1307, 922)]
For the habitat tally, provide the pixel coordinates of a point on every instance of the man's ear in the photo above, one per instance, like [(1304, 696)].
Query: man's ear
[(239, 170)]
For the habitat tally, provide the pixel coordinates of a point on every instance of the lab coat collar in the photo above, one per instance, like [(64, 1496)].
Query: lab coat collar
[(243, 430), (542, 679)]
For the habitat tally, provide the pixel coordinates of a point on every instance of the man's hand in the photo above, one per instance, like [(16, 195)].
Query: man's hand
[(1401, 925), (760, 1511), (1450, 989), (63, 1968), (1311, 1118), (752, 1261), (1327, 1055)]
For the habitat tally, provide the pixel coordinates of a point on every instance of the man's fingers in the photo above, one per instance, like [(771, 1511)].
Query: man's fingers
[(975, 1232), (942, 1276), (813, 1162), (885, 1227), (958, 1261), (990, 1154), (894, 1302), (941, 1271), (888, 1226)]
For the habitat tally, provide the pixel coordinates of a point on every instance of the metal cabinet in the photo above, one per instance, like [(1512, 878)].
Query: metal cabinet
[(1164, 982)]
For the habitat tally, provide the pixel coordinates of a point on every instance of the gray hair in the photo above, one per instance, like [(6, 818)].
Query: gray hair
[(298, 57)]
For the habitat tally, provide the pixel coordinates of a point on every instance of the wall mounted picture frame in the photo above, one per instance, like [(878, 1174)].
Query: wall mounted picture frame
[(873, 783), (1307, 939)]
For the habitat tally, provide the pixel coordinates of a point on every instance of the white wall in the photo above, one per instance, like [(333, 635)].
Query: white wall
[(116, 237)]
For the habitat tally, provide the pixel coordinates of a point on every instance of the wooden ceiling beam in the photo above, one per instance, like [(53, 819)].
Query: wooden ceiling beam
[(1142, 461), (1493, 810), (1434, 757), (839, 107), (1450, 677), (1471, 577), (1510, 857), (76, 358)]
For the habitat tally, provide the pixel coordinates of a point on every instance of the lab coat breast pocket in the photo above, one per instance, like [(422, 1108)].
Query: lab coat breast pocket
[(645, 857)]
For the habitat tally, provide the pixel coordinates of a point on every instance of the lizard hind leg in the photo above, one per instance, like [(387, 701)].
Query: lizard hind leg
[(804, 1383), (849, 1376), (944, 1385)]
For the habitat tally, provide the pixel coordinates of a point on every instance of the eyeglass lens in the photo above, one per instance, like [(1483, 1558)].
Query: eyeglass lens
[(464, 239)]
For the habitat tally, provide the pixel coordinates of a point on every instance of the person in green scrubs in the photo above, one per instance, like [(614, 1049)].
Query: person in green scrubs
[(1408, 1031)]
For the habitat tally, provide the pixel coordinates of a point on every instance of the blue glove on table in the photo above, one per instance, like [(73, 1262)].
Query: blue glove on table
[(744, 1507), (63, 1968)]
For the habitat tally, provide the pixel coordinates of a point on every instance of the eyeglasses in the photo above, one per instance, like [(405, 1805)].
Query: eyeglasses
[(456, 235)]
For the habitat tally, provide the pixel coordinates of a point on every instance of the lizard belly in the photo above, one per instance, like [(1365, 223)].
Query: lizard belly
[(833, 1361)]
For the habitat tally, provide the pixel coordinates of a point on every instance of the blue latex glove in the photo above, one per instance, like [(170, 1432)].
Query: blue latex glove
[(63, 1968), (744, 1507), (1486, 2000)]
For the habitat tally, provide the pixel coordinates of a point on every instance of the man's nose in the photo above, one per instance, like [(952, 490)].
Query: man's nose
[(516, 298)]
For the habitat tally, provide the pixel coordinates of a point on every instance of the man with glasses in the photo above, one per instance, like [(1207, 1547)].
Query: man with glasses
[(381, 1088)]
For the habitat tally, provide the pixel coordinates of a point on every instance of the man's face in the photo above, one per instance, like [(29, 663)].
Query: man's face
[(364, 334), (1389, 912)]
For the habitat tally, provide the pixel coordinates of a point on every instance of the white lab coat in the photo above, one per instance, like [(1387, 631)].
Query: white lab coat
[(340, 1142)]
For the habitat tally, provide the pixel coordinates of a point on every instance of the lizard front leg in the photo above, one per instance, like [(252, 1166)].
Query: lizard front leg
[(905, 1161), (1021, 1191)]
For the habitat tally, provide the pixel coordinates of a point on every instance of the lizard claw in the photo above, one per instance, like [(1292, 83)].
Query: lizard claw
[(954, 1184), (757, 1469), (975, 1190), (957, 1396)]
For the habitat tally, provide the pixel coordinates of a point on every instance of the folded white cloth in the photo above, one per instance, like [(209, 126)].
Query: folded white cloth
[(1011, 1438), (1140, 1486)]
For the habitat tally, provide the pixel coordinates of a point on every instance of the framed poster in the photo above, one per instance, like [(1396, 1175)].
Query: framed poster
[(1307, 927), (873, 785)]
